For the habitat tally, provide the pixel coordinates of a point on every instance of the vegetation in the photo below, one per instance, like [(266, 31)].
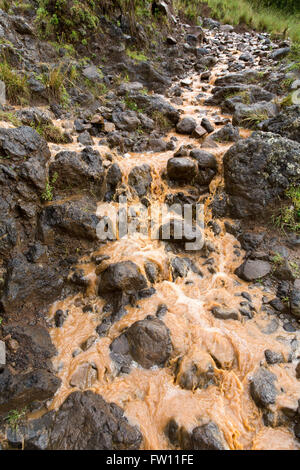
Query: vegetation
[(279, 17), (17, 90), (288, 217), (136, 56), (48, 193), (14, 417)]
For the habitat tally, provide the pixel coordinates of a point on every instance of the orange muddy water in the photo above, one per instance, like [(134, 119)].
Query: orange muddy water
[(150, 398)]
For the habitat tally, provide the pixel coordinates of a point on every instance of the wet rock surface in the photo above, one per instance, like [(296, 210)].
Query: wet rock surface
[(85, 421)]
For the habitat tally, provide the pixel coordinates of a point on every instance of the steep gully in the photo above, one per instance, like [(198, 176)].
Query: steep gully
[(151, 397)]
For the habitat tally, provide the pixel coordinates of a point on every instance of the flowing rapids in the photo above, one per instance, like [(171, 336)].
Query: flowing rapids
[(150, 398)]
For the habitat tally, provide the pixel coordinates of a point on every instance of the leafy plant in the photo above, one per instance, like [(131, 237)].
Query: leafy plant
[(14, 417), (48, 193)]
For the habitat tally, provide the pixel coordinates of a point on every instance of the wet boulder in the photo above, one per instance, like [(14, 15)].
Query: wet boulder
[(181, 168), (152, 78), (262, 388), (140, 179), (251, 270), (113, 179), (156, 105), (22, 148), (34, 117), (147, 342), (257, 170), (124, 276), (29, 286), (228, 133), (250, 115), (205, 437), (186, 125), (225, 314), (78, 171), (85, 421), (19, 391), (74, 218), (208, 437), (286, 123), (126, 120), (33, 347)]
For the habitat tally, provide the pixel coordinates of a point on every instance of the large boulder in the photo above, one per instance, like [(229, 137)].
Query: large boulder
[(181, 168), (259, 169), (262, 388), (124, 276), (29, 286), (147, 342), (140, 179), (154, 105), (85, 421), (251, 115), (208, 437), (286, 123), (252, 270), (78, 171), (186, 125), (74, 218), (19, 391)]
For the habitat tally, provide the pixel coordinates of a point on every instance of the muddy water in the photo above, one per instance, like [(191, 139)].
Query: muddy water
[(151, 397)]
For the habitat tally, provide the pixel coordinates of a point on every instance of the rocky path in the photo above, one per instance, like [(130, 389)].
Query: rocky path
[(196, 349)]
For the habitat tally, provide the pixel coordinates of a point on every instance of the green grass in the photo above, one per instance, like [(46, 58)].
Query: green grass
[(10, 117), (17, 90), (250, 12), (136, 55), (288, 216)]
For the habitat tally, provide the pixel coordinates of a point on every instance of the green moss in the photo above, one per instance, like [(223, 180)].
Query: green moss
[(136, 56)]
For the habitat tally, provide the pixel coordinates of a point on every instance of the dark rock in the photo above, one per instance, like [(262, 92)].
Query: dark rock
[(73, 218), (149, 342), (78, 171), (280, 53), (19, 391), (228, 133), (181, 168), (140, 178), (208, 437), (257, 170), (262, 388), (85, 421), (186, 125), (252, 270), (151, 270), (124, 276), (286, 123), (207, 125), (204, 159), (225, 314), (43, 285), (273, 357), (295, 302), (113, 179), (85, 139), (249, 116)]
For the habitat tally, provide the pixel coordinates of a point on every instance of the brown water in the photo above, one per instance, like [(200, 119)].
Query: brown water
[(150, 398)]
